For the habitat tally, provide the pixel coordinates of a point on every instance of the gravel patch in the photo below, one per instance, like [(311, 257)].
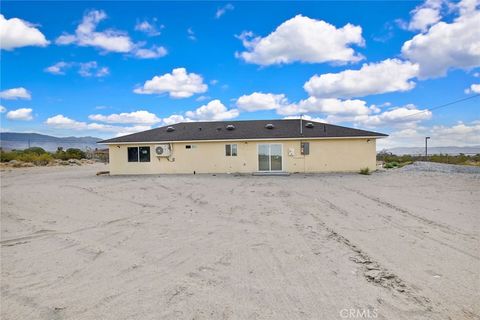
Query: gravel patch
[(440, 167)]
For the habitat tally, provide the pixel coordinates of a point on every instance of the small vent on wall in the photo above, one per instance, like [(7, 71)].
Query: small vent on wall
[(230, 127), (309, 125), (170, 129), (269, 126)]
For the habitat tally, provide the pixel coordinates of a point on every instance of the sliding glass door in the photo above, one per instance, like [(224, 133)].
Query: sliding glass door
[(270, 157)]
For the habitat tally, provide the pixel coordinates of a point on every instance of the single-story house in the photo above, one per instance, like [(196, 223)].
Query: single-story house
[(245, 147)]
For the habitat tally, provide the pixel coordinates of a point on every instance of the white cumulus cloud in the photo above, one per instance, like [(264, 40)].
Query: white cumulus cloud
[(62, 122), (150, 28), (446, 46), (175, 118), (92, 69), (474, 88), (108, 40), (261, 101), (150, 53), (214, 110), (460, 134), (303, 39), (15, 93), (307, 117), (398, 117), (178, 84), (326, 106), (24, 114), (85, 69), (425, 15), (87, 35), (122, 131), (373, 78), (137, 117), (58, 68), (17, 33), (222, 10)]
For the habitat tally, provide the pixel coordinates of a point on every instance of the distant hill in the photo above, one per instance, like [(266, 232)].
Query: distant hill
[(20, 141), (435, 150)]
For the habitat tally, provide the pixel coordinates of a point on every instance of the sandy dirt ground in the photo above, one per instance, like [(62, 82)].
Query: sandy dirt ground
[(392, 245)]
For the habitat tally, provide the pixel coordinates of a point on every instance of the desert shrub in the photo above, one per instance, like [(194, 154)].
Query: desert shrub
[(74, 153), (43, 159), (461, 159), (37, 159), (6, 156), (26, 157), (60, 154), (365, 171), (35, 150), (33, 156), (71, 153)]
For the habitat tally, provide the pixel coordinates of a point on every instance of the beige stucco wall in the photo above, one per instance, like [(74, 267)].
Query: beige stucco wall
[(326, 155)]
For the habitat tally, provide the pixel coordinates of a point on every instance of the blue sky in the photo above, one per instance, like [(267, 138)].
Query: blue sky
[(110, 68)]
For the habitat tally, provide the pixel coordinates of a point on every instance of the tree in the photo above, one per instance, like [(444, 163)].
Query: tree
[(74, 153)]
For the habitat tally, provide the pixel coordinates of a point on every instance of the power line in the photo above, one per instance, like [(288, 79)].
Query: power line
[(443, 105)]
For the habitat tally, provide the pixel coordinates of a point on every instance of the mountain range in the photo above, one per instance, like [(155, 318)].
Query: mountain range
[(435, 150), (20, 141)]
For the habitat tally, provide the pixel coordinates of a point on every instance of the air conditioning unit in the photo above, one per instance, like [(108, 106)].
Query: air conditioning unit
[(163, 150)]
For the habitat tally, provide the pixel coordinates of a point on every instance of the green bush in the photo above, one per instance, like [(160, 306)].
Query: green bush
[(43, 159), (39, 156), (461, 159), (74, 153), (365, 171), (33, 156), (7, 156), (71, 153), (35, 150)]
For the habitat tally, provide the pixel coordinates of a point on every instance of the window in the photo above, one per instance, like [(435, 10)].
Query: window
[(188, 146), (132, 154), (270, 157), (231, 150), (144, 154), (138, 154)]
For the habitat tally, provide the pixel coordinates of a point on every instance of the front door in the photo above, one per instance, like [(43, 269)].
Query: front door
[(270, 157)]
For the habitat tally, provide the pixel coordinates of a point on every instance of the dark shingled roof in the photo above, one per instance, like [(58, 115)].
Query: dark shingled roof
[(248, 129)]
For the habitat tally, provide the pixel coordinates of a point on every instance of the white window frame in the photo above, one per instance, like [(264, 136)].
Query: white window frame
[(270, 157), (231, 153)]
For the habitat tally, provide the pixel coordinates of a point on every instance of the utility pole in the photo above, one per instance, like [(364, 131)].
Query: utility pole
[(426, 147)]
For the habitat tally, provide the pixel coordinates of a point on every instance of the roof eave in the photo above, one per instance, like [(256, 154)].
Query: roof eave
[(107, 142)]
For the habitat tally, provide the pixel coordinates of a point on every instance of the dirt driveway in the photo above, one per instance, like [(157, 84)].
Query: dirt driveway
[(392, 245)]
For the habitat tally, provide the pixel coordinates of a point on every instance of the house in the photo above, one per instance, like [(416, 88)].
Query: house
[(243, 146)]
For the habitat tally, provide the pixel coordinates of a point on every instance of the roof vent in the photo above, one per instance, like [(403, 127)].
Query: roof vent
[(309, 125), (230, 127), (269, 126), (170, 129)]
